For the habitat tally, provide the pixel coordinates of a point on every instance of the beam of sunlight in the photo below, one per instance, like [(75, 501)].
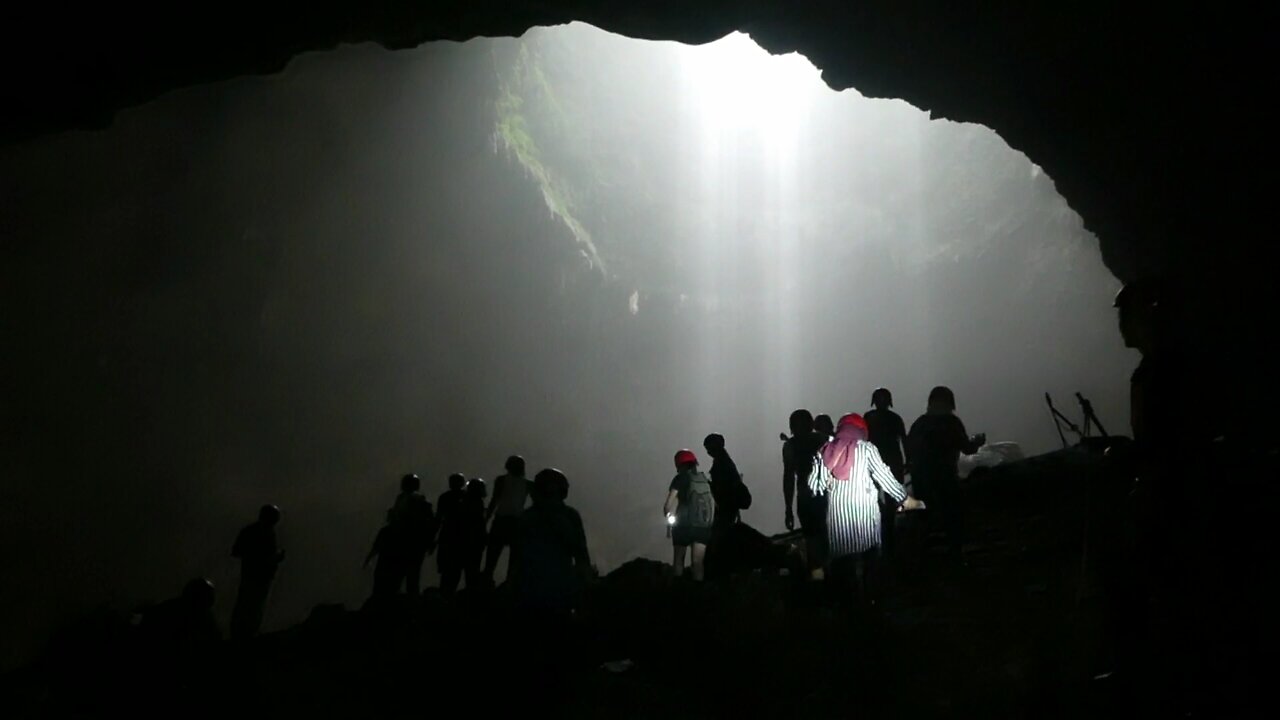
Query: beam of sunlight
[(738, 86), (750, 109)]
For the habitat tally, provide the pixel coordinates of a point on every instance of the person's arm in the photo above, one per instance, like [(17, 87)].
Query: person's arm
[(581, 555), (900, 438), (881, 475), (672, 504), (969, 446)]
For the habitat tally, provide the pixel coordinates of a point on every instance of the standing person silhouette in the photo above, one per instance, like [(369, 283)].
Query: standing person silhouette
[(510, 494), (799, 453), (888, 433), (413, 521), (451, 534), (259, 556), (935, 443)]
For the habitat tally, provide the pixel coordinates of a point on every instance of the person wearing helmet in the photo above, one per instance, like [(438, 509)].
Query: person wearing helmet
[(888, 433), (549, 556), (450, 528), (474, 532), (184, 624), (412, 527), (259, 557), (690, 513)]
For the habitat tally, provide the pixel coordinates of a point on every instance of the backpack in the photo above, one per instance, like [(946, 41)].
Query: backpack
[(700, 510)]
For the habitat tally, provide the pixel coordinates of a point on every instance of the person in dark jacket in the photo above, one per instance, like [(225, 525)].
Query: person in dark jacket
[(935, 443), (549, 558), (889, 434)]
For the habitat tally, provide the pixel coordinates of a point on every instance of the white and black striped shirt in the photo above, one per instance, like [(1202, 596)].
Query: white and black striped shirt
[(853, 509)]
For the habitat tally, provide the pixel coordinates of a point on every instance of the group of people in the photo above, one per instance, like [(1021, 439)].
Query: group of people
[(844, 482), (840, 478), (459, 529), (546, 539)]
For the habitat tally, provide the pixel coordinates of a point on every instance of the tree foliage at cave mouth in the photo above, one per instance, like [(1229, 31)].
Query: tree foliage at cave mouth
[(605, 127)]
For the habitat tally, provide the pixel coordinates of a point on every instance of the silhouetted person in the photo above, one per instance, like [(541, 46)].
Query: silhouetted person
[(451, 542), (726, 552), (1177, 583), (394, 556), (824, 425), (473, 531), (690, 508), (255, 546), (935, 443), (888, 433), (510, 493), (798, 456), (549, 557), (183, 624), (413, 525), (851, 474), (727, 486), (549, 567), (180, 652)]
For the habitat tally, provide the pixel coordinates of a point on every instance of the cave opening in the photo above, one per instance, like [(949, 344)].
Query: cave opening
[(587, 249)]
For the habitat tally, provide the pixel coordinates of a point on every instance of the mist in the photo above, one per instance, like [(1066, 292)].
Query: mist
[(585, 249)]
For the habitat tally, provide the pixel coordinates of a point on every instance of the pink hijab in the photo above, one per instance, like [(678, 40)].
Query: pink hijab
[(838, 454)]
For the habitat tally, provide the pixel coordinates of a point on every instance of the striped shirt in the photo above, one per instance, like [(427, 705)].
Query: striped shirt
[(853, 510)]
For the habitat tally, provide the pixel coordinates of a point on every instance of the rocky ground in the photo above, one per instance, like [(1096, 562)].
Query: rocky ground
[(1013, 631)]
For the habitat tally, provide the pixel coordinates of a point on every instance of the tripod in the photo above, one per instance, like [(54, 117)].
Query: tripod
[(1090, 419), (1059, 420)]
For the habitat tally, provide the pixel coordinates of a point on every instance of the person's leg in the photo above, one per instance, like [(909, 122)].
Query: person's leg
[(813, 524), (497, 540), (472, 567), (251, 604), (677, 560), (387, 575), (241, 615), (450, 570), (948, 492), (413, 574), (872, 575), (699, 554)]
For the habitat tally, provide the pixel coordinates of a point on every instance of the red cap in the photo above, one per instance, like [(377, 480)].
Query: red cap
[(853, 419), (684, 457)]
